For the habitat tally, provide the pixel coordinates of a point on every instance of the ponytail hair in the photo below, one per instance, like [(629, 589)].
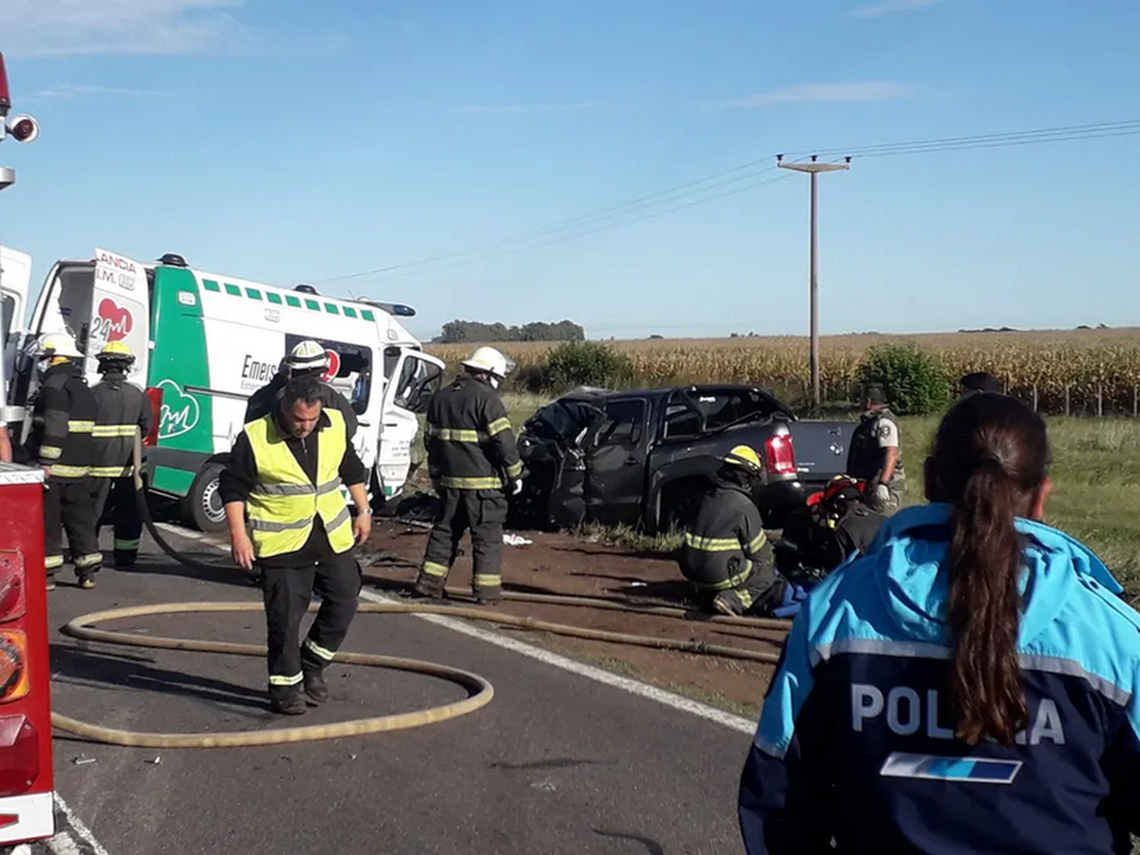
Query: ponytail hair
[(988, 462)]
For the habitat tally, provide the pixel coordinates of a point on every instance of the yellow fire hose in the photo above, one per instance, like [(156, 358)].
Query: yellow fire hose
[(481, 690)]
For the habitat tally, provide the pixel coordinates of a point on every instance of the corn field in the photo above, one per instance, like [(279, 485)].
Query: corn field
[(1091, 372)]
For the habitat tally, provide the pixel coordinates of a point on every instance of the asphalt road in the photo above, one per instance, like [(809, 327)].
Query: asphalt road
[(557, 763)]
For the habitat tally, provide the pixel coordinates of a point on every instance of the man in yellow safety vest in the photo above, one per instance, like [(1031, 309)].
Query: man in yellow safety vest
[(287, 515)]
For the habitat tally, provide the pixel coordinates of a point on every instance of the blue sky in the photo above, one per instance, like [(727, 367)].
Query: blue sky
[(288, 141)]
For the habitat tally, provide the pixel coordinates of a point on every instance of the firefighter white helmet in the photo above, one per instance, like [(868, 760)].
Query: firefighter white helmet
[(309, 355), (488, 360), (57, 344)]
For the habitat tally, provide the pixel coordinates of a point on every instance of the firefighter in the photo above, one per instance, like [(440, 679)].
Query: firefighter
[(63, 419), (309, 358), (122, 410), (726, 553), (285, 473), (874, 456), (474, 464), (5, 443)]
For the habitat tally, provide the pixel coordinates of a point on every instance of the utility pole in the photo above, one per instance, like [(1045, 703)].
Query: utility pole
[(813, 168)]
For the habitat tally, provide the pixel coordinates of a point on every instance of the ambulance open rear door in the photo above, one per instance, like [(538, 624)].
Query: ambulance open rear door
[(414, 378), (119, 311), (15, 279)]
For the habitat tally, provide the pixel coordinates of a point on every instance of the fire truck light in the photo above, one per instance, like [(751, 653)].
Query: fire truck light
[(13, 658), (24, 129), (13, 603), (19, 754)]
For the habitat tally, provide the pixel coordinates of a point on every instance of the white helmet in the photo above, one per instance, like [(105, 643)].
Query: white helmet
[(57, 344), (489, 360), (309, 355)]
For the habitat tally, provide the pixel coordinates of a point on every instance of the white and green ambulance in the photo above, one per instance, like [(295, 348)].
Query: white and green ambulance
[(205, 342)]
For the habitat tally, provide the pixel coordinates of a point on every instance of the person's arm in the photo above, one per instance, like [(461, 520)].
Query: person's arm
[(889, 442), (354, 476), (1122, 767), (350, 420), (504, 449), (5, 444), (785, 797), (56, 404), (146, 417), (234, 485), (751, 532)]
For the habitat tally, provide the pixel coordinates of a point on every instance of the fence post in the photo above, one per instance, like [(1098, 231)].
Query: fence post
[(1135, 403), (1068, 412), (1034, 397), (1100, 400)]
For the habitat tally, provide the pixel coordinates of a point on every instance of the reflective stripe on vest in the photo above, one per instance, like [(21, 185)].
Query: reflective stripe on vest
[(284, 502)]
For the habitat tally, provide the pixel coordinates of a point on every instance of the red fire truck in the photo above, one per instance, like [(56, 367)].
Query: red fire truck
[(27, 810)]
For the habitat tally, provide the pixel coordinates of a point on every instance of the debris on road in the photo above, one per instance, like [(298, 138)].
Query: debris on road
[(516, 540), (84, 761)]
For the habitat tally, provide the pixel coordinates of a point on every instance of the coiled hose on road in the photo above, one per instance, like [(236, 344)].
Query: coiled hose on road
[(481, 690)]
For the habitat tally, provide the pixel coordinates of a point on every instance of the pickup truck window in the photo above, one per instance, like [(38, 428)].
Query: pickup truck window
[(681, 421), (624, 420)]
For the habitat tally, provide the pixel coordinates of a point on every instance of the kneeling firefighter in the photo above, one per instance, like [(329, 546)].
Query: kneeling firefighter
[(122, 410), (285, 473), (474, 464), (726, 553), (63, 419)]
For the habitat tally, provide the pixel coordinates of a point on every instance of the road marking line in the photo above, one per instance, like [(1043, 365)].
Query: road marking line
[(83, 832), (22, 849), (600, 675)]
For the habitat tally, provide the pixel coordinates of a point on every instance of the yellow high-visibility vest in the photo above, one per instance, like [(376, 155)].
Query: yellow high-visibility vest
[(284, 502)]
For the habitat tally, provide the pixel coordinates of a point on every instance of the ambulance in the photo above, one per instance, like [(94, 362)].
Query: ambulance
[(203, 344)]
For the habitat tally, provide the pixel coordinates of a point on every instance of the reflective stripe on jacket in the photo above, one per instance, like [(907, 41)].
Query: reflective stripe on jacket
[(723, 541), (469, 439), (122, 409), (63, 420), (284, 501)]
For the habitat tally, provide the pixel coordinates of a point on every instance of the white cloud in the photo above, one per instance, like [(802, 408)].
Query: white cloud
[(64, 27), (72, 90), (872, 90), (530, 108), (886, 7)]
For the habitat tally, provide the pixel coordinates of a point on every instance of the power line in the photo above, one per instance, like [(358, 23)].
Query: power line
[(619, 214)]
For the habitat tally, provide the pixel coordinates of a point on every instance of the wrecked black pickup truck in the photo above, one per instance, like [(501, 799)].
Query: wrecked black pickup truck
[(643, 458)]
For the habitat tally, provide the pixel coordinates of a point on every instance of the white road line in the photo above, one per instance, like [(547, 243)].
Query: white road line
[(81, 830), (62, 844), (600, 675), (22, 849)]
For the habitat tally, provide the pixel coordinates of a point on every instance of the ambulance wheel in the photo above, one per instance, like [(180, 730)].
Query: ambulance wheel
[(203, 504)]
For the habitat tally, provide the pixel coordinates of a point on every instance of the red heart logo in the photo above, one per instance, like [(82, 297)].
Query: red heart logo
[(118, 321), (334, 366)]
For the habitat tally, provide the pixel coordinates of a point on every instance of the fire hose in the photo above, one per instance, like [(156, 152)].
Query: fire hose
[(480, 690)]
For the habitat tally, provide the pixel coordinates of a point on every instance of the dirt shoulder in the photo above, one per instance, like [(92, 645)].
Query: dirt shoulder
[(558, 563)]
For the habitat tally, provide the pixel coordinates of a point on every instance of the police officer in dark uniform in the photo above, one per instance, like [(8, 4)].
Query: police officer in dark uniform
[(978, 381), (474, 463), (307, 358), (726, 554), (63, 420), (874, 456), (122, 410)]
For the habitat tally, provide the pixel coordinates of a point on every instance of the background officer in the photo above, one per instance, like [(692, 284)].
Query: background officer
[(63, 419), (474, 464), (307, 359), (122, 410), (874, 455), (285, 472), (726, 553), (978, 381)]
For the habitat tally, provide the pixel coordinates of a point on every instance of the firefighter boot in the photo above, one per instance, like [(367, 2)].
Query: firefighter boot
[(287, 700), (316, 688)]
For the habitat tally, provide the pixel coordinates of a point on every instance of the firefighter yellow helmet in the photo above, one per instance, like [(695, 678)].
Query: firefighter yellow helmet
[(746, 458), (116, 351)]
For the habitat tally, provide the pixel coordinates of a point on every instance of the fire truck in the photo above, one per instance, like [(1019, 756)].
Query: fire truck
[(27, 810)]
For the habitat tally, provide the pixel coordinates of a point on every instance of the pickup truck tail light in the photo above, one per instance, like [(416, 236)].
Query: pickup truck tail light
[(781, 455), (154, 393)]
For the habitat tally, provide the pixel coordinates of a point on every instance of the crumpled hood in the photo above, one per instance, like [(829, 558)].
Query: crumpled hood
[(908, 551)]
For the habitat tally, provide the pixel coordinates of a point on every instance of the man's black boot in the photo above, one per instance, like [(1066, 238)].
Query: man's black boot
[(315, 686), (287, 700)]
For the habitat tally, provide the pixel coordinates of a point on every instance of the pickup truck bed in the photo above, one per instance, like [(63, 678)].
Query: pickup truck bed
[(642, 458)]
